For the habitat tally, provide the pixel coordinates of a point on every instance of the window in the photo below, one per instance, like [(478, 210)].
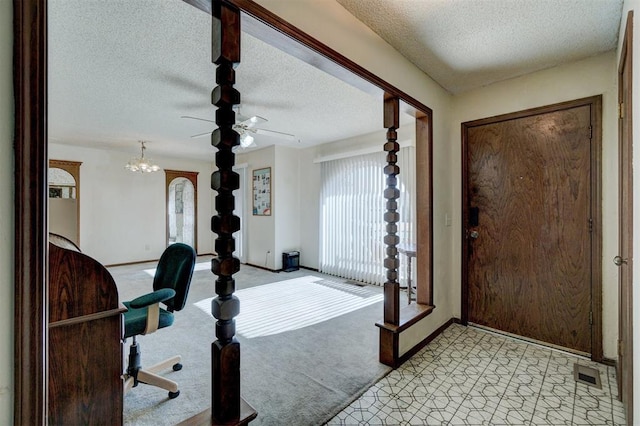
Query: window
[(352, 214)]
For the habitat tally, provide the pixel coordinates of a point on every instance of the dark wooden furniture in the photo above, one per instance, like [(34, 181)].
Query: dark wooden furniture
[(85, 339)]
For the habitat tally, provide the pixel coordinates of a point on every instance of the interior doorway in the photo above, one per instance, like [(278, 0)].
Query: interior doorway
[(531, 250), (182, 207), (240, 211), (64, 199), (30, 83)]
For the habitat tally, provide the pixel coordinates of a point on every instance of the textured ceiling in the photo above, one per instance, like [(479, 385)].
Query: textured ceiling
[(464, 44), (123, 71)]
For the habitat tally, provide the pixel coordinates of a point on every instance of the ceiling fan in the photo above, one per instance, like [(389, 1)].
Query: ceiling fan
[(245, 128)]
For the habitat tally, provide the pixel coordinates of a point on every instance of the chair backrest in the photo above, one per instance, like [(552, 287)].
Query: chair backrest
[(174, 271)]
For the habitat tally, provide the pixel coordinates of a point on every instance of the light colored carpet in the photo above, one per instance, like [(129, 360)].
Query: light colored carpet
[(299, 376), (294, 304)]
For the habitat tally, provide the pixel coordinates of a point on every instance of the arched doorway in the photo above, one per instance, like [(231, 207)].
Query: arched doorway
[(181, 207)]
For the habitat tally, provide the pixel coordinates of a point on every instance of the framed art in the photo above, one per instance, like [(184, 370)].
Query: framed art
[(262, 192)]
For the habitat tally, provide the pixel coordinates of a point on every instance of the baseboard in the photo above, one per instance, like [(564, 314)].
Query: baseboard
[(417, 348), (279, 270), (610, 362), (264, 268), (137, 262)]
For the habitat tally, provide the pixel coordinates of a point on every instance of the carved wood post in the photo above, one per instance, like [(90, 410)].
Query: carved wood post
[(391, 194), (225, 351)]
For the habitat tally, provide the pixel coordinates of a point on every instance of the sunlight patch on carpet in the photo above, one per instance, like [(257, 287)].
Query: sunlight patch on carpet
[(293, 304), (202, 266)]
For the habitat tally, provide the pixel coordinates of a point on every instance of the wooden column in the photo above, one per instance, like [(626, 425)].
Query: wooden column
[(227, 406), (391, 194)]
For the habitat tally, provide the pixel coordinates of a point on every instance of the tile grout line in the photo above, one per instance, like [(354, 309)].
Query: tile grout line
[(438, 357), (407, 384), (483, 371), (459, 362), (533, 413)]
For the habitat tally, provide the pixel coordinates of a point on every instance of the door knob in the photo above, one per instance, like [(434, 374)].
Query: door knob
[(474, 234), (619, 261)]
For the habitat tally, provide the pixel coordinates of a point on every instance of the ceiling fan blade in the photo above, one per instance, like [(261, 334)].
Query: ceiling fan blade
[(199, 135), (273, 133), (252, 121), (196, 118)]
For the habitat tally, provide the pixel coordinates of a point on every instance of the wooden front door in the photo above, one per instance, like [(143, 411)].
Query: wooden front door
[(529, 223), (625, 254)]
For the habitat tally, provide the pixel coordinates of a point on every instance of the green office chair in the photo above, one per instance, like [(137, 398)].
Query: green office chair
[(144, 316)]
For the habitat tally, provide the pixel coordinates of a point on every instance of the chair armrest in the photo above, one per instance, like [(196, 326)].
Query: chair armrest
[(152, 298)]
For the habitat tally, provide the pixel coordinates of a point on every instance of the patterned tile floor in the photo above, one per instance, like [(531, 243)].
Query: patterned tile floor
[(467, 376)]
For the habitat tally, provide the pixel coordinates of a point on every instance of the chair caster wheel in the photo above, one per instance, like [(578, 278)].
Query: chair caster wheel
[(173, 395), (177, 367)]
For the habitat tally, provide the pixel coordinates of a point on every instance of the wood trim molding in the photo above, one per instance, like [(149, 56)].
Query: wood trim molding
[(595, 102), (170, 175), (73, 168), (424, 203), (624, 366), (30, 141), (597, 351)]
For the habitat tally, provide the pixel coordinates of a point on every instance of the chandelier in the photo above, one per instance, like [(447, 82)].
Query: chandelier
[(141, 164)]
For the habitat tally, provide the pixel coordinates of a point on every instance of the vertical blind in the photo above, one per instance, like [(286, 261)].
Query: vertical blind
[(352, 208)]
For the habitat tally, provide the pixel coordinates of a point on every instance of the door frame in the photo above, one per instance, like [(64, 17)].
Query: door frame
[(625, 290), (169, 176), (595, 102)]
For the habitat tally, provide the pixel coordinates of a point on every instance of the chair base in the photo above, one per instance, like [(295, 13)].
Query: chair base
[(136, 374)]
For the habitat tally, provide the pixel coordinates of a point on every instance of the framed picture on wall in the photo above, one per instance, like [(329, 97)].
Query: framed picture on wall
[(262, 192)]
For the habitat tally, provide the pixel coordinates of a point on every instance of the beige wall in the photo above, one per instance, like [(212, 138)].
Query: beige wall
[(6, 213), (593, 76), (261, 246), (269, 236), (122, 214), (286, 202)]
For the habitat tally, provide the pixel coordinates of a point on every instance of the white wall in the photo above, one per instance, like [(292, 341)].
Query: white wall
[(593, 76), (635, 99), (122, 214), (286, 201), (310, 177), (261, 241), (6, 213)]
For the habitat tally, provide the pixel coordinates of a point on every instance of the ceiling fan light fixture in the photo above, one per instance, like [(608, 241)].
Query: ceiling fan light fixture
[(246, 140), (141, 164)]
